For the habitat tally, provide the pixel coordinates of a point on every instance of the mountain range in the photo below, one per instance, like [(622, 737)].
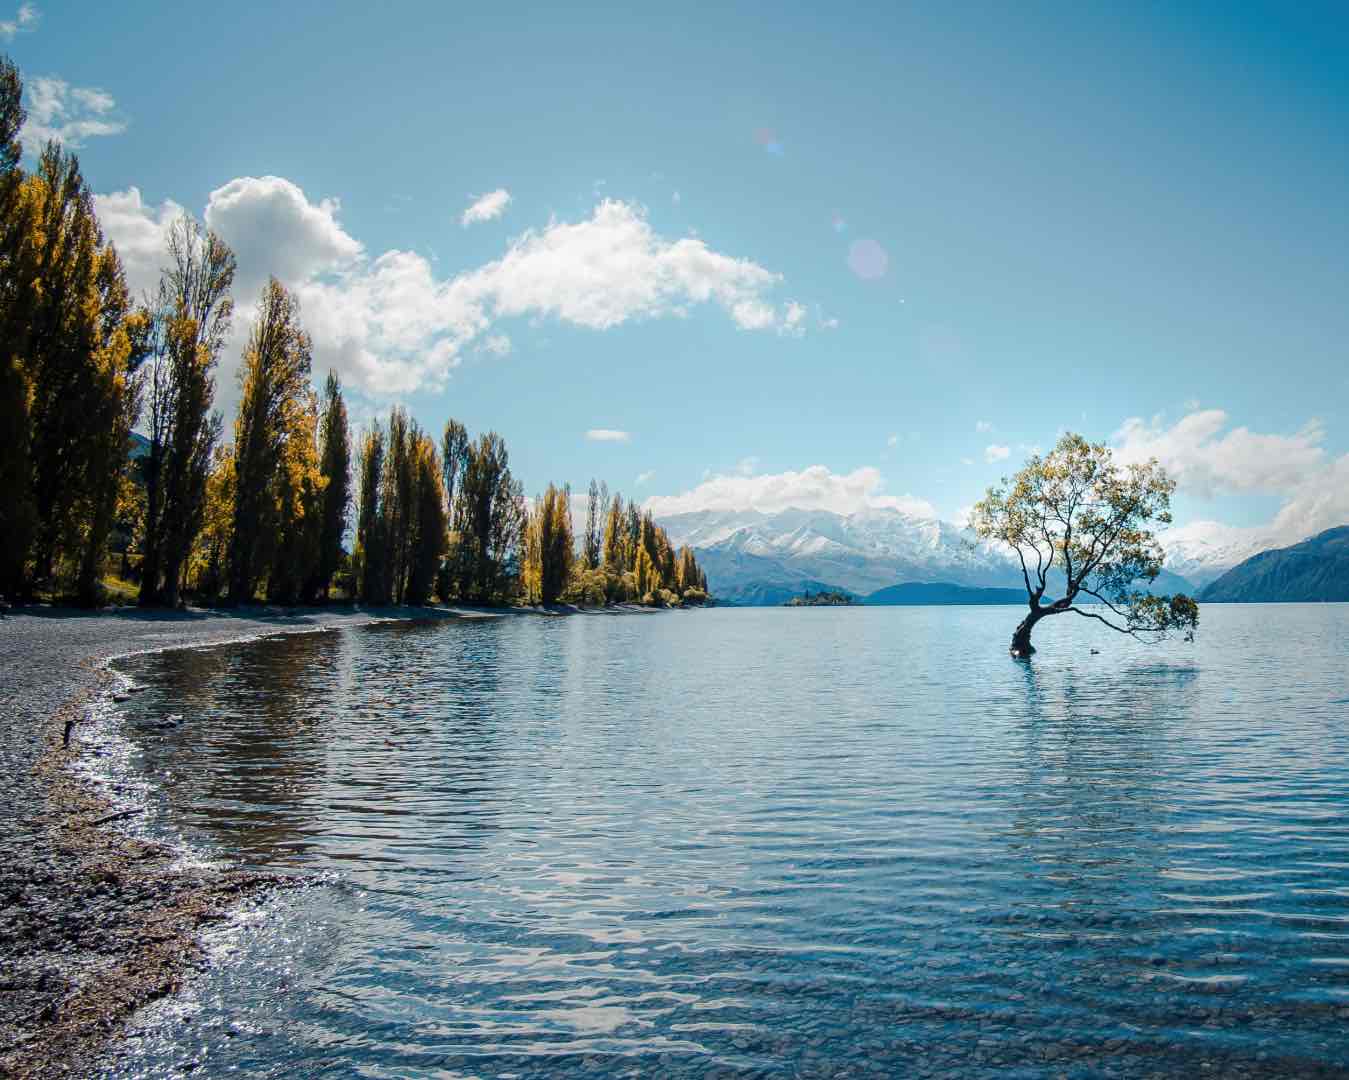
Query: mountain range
[(1316, 570), (752, 557)]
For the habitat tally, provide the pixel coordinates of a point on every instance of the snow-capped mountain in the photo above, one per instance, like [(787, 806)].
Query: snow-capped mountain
[(1203, 551), (753, 556), (859, 552)]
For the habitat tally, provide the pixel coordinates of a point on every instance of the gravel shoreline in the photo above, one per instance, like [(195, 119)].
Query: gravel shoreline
[(95, 923)]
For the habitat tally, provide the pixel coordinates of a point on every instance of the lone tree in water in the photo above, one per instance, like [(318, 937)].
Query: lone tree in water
[(1076, 512)]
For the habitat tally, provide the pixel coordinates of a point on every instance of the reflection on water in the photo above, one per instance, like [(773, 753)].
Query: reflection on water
[(813, 842)]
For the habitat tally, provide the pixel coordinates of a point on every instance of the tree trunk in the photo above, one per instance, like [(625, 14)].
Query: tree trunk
[(150, 545), (1021, 648), (173, 565)]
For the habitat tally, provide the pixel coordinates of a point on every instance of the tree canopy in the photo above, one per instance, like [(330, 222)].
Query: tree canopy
[(1078, 515)]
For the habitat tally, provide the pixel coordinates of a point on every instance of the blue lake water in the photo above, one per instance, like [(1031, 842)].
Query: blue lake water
[(766, 843)]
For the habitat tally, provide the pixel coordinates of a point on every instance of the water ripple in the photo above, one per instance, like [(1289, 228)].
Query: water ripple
[(766, 843)]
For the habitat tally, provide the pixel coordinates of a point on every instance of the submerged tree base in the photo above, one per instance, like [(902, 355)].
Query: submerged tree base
[(1021, 648)]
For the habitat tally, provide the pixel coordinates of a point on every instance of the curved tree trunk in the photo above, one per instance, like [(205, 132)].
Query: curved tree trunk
[(1021, 647)]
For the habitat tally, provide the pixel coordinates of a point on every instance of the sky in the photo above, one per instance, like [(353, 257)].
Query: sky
[(837, 256)]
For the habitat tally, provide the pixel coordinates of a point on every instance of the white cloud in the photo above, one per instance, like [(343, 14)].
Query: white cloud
[(607, 435), (893, 440), (140, 233), (676, 198), (746, 466), (274, 229), (645, 478), (1320, 502), (68, 114), (1208, 458), (497, 345), (1205, 460), (612, 268), (486, 207), (25, 20), (828, 323), (389, 325), (813, 488), (982, 427), (793, 320), (996, 453)]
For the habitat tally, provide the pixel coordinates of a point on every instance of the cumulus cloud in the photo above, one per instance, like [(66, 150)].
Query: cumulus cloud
[(389, 325), (607, 435), (486, 207), (613, 267), (26, 19), (1207, 460), (996, 453), (69, 114), (140, 232), (1319, 502), (813, 488), (273, 228)]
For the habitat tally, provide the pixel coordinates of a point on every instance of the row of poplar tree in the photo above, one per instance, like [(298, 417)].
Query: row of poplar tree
[(450, 522), (266, 514)]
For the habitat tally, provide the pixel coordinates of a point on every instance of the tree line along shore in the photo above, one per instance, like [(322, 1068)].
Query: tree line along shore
[(93, 511)]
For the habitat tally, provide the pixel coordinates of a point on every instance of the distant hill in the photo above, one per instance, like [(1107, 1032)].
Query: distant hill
[(140, 446), (943, 592), (1315, 570), (765, 593)]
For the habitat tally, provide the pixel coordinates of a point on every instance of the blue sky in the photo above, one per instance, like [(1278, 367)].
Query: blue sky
[(898, 241)]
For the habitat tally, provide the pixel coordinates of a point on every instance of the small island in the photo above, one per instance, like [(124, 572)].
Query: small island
[(821, 599)]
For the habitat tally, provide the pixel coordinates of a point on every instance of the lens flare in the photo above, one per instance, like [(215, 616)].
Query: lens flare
[(868, 260), (768, 139)]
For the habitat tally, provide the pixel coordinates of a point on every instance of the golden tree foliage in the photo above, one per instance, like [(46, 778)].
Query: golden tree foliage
[(429, 522), (69, 389), (1077, 513), (548, 547), (296, 502), (212, 546), (274, 381)]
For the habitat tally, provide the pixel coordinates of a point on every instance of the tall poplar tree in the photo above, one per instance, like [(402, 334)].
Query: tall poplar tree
[(429, 521), (490, 515), (274, 377), (592, 546), (193, 310), (335, 464), (548, 546), (297, 503), (18, 515)]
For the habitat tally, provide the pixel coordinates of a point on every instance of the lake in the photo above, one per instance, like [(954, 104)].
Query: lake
[(764, 843)]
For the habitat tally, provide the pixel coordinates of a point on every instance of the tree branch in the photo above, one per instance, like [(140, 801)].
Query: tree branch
[(1133, 633)]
